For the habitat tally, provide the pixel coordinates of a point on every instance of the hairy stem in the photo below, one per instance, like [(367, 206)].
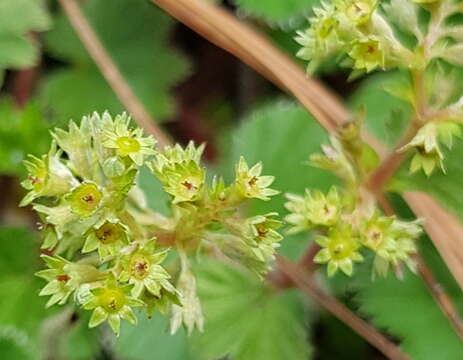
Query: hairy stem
[(110, 71)]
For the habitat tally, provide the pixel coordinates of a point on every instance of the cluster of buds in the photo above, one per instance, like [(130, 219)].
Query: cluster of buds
[(355, 29), (347, 221), (426, 143), (106, 249)]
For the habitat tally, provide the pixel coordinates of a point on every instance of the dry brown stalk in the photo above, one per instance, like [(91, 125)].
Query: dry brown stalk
[(110, 71)]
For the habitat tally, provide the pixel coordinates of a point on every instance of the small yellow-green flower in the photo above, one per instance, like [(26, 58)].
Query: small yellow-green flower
[(85, 199), (64, 277), (108, 238), (47, 176), (428, 153), (321, 38), (112, 302), (250, 184), (357, 11), (180, 171), (128, 142), (376, 231), (339, 250), (368, 54), (314, 209), (142, 269), (263, 237)]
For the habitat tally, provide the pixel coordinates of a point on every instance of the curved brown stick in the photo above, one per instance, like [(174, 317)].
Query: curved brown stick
[(224, 30), (110, 71)]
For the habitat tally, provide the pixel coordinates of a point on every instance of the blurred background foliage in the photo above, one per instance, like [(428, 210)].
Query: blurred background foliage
[(199, 92)]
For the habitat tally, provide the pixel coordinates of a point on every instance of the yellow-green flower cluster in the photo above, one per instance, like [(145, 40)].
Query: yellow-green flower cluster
[(354, 29), (347, 221), (107, 248)]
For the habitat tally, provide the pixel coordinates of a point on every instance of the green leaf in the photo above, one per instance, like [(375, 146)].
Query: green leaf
[(156, 197), (150, 340), (135, 33), (19, 18), (22, 131), (386, 115), (247, 320), (278, 10), (282, 135), (20, 306), (407, 310), (80, 342), (15, 344)]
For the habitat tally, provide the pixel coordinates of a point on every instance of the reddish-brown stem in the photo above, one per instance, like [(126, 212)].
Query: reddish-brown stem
[(110, 71), (338, 309), (440, 296)]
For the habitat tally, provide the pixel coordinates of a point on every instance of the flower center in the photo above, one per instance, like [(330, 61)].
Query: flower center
[(109, 233), (63, 278), (139, 266), (128, 145), (86, 199), (112, 300), (262, 230), (340, 250), (374, 237)]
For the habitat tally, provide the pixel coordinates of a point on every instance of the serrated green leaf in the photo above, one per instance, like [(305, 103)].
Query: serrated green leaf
[(277, 10), (135, 33), (247, 320), (19, 304), (150, 340), (22, 131), (19, 17), (386, 115), (407, 310), (282, 135)]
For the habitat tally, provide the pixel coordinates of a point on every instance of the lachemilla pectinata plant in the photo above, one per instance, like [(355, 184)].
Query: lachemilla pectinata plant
[(108, 250)]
